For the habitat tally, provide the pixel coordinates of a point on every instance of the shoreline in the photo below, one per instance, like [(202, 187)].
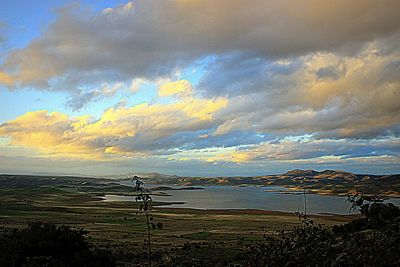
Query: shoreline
[(165, 208)]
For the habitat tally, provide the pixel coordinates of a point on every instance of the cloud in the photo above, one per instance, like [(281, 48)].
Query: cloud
[(81, 98), (309, 149), (135, 84), (6, 79), (149, 38), (239, 74), (3, 28), (361, 101), (270, 72), (328, 72), (180, 88), (331, 65), (121, 131)]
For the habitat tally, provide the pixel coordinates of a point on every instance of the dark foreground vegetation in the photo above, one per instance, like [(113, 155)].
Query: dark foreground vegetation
[(370, 240), (42, 244)]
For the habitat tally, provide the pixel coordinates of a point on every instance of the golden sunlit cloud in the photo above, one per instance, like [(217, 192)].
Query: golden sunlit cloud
[(58, 135), (180, 88)]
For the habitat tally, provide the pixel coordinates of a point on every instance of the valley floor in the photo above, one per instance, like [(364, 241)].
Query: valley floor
[(118, 226)]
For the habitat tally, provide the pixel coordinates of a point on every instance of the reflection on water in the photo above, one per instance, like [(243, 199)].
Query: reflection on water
[(232, 197)]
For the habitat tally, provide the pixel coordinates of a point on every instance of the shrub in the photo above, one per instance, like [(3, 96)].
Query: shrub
[(42, 244), (372, 240)]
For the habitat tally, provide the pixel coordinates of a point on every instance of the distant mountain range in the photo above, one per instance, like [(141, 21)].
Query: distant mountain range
[(333, 182), (152, 175), (324, 182)]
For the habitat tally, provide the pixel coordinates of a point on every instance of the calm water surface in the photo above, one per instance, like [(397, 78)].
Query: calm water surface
[(233, 197)]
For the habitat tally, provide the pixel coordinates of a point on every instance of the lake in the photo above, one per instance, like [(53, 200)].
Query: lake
[(250, 197)]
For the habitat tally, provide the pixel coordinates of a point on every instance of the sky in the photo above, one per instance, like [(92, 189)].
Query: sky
[(199, 87)]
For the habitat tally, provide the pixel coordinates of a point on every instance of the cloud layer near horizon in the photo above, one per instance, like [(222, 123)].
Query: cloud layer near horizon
[(273, 72), (123, 131)]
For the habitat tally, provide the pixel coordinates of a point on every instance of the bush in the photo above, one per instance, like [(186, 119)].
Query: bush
[(372, 240), (42, 244)]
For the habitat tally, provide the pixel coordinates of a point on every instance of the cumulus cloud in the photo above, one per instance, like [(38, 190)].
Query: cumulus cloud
[(149, 38), (270, 70), (359, 101), (268, 54), (301, 149), (121, 131)]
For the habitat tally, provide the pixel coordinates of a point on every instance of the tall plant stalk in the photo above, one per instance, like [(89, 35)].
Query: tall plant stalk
[(144, 198), (305, 200)]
